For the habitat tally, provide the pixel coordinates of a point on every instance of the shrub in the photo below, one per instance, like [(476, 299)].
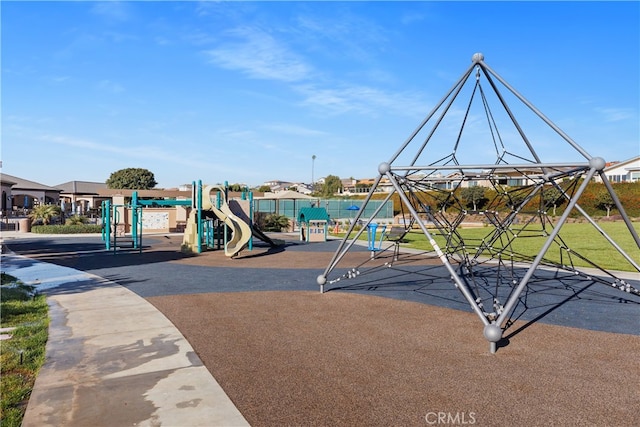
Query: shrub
[(275, 222), (66, 229), (76, 220), (628, 193)]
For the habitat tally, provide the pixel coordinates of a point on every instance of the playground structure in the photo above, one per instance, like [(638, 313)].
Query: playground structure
[(123, 223), (203, 225), (450, 150), (313, 224), (210, 224)]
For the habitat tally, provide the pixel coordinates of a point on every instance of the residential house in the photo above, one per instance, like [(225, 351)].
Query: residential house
[(20, 194), (625, 171)]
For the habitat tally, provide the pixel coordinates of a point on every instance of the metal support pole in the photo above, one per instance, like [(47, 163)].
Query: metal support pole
[(543, 250), (537, 112), (625, 217), (443, 258)]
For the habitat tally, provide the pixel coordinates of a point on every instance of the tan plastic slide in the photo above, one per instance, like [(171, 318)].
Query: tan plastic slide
[(240, 230)]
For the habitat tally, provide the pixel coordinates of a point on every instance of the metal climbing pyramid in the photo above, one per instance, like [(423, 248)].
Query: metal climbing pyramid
[(475, 138)]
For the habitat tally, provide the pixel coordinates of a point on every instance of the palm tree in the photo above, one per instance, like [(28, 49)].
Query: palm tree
[(275, 222), (45, 213)]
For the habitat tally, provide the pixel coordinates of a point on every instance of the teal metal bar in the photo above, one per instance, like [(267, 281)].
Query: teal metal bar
[(199, 217), (159, 203), (134, 219), (138, 241), (224, 224), (106, 221), (116, 221), (250, 246), (102, 218), (212, 234)]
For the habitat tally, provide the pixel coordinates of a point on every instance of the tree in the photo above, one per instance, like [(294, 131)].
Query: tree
[(552, 196), (332, 185), (264, 189), (443, 200), (604, 200), (45, 213), (473, 196), (132, 179), (515, 198)]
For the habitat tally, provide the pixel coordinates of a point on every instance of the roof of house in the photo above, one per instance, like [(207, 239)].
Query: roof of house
[(82, 187), (313, 214), (623, 163), (101, 189), (5, 181), (25, 184)]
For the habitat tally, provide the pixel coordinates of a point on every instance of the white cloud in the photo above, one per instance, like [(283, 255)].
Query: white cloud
[(363, 100), (343, 34), (127, 151), (289, 129), (412, 17), (198, 37), (80, 143), (114, 11), (110, 86), (260, 56), (59, 79), (616, 114)]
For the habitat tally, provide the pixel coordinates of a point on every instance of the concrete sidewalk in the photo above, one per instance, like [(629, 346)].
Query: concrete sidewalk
[(112, 359)]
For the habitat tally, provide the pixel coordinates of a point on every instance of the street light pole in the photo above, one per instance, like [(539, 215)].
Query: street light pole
[(313, 184)]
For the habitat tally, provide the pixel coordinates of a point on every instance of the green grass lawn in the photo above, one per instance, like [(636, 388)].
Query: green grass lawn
[(21, 356), (581, 238)]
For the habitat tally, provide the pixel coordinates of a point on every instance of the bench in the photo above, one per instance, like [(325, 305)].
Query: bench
[(396, 235)]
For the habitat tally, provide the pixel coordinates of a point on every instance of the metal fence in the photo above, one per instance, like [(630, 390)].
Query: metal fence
[(337, 209)]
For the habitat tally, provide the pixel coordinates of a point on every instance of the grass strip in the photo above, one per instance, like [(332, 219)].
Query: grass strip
[(23, 354)]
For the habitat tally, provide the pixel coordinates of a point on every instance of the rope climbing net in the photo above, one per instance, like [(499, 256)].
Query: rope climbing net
[(513, 197)]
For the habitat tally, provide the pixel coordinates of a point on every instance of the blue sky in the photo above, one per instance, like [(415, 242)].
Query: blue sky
[(248, 92)]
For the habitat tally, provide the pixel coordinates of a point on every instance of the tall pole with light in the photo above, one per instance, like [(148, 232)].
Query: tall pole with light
[(313, 184)]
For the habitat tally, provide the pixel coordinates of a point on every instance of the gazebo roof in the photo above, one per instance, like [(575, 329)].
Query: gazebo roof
[(288, 194)]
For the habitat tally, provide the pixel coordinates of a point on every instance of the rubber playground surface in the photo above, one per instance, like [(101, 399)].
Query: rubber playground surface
[(398, 347)]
